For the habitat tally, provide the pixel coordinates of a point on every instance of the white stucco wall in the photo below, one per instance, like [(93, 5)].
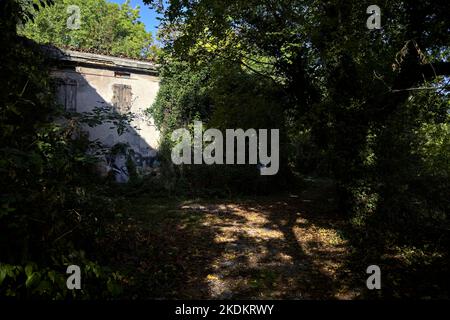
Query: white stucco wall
[(95, 88)]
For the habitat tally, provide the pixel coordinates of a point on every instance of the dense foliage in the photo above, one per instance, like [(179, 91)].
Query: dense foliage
[(104, 27), (50, 207), (203, 92), (363, 101), (367, 108)]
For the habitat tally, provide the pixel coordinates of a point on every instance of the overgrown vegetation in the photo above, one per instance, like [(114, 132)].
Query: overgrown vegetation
[(222, 96), (104, 27), (368, 109), (51, 208), (365, 113)]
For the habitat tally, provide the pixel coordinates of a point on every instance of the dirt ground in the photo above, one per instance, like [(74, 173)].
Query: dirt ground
[(287, 247), (291, 246)]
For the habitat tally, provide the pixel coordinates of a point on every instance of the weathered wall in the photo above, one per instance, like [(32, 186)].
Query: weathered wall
[(95, 87)]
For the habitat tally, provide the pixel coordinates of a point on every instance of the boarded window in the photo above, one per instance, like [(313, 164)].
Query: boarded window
[(66, 93), (122, 96)]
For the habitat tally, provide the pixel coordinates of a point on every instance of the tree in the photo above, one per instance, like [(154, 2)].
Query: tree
[(45, 205), (345, 87), (105, 27)]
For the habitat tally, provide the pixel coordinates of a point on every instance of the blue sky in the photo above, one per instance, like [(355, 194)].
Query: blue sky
[(148, 16)]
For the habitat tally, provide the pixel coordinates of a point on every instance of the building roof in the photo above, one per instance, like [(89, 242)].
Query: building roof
[(100, 60)]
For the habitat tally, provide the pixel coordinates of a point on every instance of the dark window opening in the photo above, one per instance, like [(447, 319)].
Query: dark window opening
[(67, 67), (120, 74)]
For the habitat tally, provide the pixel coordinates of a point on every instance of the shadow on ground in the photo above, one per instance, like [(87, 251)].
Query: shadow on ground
[(288, 247)]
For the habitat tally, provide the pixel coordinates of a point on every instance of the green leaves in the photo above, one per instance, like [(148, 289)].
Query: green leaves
[(9, 271), (29, 270), (2, 276), (32, 280), (105, 28), (45, 282), (114, 287)]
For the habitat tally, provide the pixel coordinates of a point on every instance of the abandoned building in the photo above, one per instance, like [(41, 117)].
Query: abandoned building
[(86, 81)]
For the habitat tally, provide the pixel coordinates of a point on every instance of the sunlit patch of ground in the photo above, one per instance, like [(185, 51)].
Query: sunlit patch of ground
[(277, 248), (287, 247), (269, 250)]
